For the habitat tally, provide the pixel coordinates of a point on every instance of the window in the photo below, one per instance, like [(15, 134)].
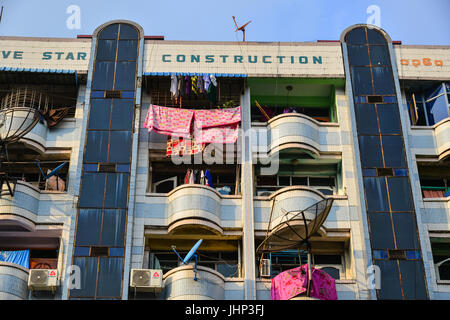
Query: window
[(434, 180), (440, 248), (265, 185)]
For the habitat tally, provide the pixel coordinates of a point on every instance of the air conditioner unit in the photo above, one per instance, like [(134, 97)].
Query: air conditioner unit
[(265, 268), (43, 279), (147, 280)]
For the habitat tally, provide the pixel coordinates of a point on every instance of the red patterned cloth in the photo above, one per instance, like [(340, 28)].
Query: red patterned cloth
[(293, 282), (217, 126), (181, 146), (169, 121)]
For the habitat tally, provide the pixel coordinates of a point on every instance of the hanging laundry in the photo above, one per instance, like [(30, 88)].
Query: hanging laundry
[(200, 85), (187, 176), (212, 94), (169, 121), (194, 85), (209, 179), (191, 177), (213, 79), (207, 82), (187, 85), (217, 126), (179, 146), (202, 178), (180, 84), (174, 86)]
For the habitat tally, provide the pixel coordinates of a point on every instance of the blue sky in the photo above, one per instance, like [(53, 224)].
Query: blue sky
[(411, 21)]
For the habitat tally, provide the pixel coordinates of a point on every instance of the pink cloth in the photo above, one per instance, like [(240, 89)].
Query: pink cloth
[(217, 126), (291, 283), (169, 121)]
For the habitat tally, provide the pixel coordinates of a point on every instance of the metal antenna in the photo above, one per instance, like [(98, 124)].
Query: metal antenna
[(1, 14), (242, 28)]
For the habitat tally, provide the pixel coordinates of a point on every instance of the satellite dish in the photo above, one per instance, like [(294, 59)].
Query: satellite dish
[(191, 254), (53, 173), (295, 230)]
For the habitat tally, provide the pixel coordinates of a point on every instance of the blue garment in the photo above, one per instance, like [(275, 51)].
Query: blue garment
[(209, 178), (18, 257)]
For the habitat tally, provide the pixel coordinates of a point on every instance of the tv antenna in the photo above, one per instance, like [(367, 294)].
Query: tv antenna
[(191, 254), (1, 14), (242, 28)]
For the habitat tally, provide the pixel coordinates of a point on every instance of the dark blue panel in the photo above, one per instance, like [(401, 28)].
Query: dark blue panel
[(116, 252), (379, 56), (127, 50), (88, 227), (400, 194), (394, 155), (370, 148), (369, 172), (88, 273), (127, 94), (390, 280), (92, 190), (122, 114), (125, 75), (106, 50), (358, 55), (103, 75), (116, 190), (96, 146), (128, 32), (389, 99), (380, 254), (413, 255), (113, 231), (93, 167), (381, 231), (361, 81), (98, 94), (389, 118), (400, 172), (123, 168), (81, 252), (356, 36), (100, 114), (413, 279), (120, 146), (110, 32), (376, 194), (110, 277), (366, 119), (383, 80), (405, 230)]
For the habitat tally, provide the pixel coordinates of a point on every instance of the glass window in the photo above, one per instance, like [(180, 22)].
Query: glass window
[(96, 146), (110, 32), (366, 119), (381, 230), (92, 190), (106, 50), (103, 75), (113, 230), (370, 149), (100, 114), (405, 230), (125, 75), (127, 32), (333, 272), (394, 155), (88, 227), (390, 280), (110, 277), (437, 109), (122, 114), (361, 81), (383, 80), (88, 273), (81, 251), (400, 194), (375, 37), (120, 146), (356, 36), (116, 190), (389, 118), (358, 55), (413, 281), (379, 56), (376, 194), (127, 50), (116, 252)]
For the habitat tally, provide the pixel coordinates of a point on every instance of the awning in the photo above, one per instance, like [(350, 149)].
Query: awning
[(11, 75)]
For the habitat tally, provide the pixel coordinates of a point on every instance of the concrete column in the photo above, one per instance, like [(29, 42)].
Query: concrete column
[(248, 238)]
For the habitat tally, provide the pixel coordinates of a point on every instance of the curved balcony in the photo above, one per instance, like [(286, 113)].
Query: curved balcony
[(294, 199), (36, 138), (21, 210), (179, 284), (13, 282), (194, 205), (295, 130), (442, 132)]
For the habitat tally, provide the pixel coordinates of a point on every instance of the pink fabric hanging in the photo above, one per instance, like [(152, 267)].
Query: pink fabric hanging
[(291, 283), (217, 126), (169, 121)]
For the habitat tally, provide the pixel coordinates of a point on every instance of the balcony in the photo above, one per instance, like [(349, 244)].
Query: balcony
[(13, 282), (36, 138), (179, 284), (432, 141), (194, 205)]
